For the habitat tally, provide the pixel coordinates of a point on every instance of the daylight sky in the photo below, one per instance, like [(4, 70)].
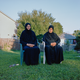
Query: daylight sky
[(67, 12)]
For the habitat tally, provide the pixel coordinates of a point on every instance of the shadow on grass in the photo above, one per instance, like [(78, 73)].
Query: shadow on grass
[(10, 51)]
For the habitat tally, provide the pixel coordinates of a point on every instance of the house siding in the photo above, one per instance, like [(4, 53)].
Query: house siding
[(7, 26)]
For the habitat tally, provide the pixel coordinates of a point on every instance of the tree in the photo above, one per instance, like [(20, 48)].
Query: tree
[(40, 22), (76, 32), (78, 42), (58, 28)]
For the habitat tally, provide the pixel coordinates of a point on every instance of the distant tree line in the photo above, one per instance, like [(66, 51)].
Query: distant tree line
[(77, 34), (40, 22)]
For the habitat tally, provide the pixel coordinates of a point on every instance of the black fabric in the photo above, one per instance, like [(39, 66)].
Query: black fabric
[(50, 37), (51, 26), (28, 31), (53, 54), (31, 55), (27, 24), (28, 36)]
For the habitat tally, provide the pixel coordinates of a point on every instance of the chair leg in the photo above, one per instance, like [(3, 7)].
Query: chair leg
[(39, 54), (21, 57), (44, 58)]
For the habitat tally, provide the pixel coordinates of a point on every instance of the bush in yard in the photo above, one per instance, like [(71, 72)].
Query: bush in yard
[(40, 37), (78, 42), (67, 45)]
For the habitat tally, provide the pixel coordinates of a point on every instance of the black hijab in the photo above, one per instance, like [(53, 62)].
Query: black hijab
[(28, 31), (28, 36), (51, 37), (51, 26)]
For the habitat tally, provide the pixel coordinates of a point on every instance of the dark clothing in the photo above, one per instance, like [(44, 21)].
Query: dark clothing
[(50, 37), (51, 26), (28, 37), (53, 54), (31, 54)]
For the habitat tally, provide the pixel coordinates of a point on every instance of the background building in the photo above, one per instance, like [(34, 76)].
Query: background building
[(8, 27)]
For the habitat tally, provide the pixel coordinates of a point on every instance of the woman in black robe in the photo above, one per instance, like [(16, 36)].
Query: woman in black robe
[(29, 43), (54, 52)]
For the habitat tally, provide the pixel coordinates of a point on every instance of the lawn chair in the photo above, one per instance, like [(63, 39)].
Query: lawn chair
[(44, 57), (22, 53)]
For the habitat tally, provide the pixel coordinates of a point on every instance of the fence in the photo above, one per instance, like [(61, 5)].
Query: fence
[(8, 43), (14, 44), (68, 48)]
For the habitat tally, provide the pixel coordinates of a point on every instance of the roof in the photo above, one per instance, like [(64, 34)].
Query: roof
[(7, 16), (67, 36)]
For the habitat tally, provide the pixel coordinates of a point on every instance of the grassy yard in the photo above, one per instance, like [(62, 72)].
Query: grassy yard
[(68, 70)]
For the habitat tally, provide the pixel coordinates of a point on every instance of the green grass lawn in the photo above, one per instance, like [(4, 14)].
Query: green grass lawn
[(68, 70)]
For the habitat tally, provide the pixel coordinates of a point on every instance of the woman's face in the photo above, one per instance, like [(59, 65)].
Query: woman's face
[(28, 27), (50, 30)]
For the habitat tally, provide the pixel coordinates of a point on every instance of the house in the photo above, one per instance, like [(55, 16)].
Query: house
[(65, 36), (8, 26)]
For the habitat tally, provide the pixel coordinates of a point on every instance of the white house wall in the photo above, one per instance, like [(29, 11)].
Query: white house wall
[(62, 42), (7, 27)]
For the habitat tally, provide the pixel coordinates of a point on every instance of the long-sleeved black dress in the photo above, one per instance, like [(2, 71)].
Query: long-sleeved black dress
[(31, 54), (53, 54)]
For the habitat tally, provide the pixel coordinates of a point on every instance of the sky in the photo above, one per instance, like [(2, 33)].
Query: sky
[(66, 12)]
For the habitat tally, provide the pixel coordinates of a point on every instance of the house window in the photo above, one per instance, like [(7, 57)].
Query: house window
[(71, 41)]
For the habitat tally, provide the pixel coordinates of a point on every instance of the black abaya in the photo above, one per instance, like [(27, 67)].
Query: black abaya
[(31, 54), (53, 54)]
